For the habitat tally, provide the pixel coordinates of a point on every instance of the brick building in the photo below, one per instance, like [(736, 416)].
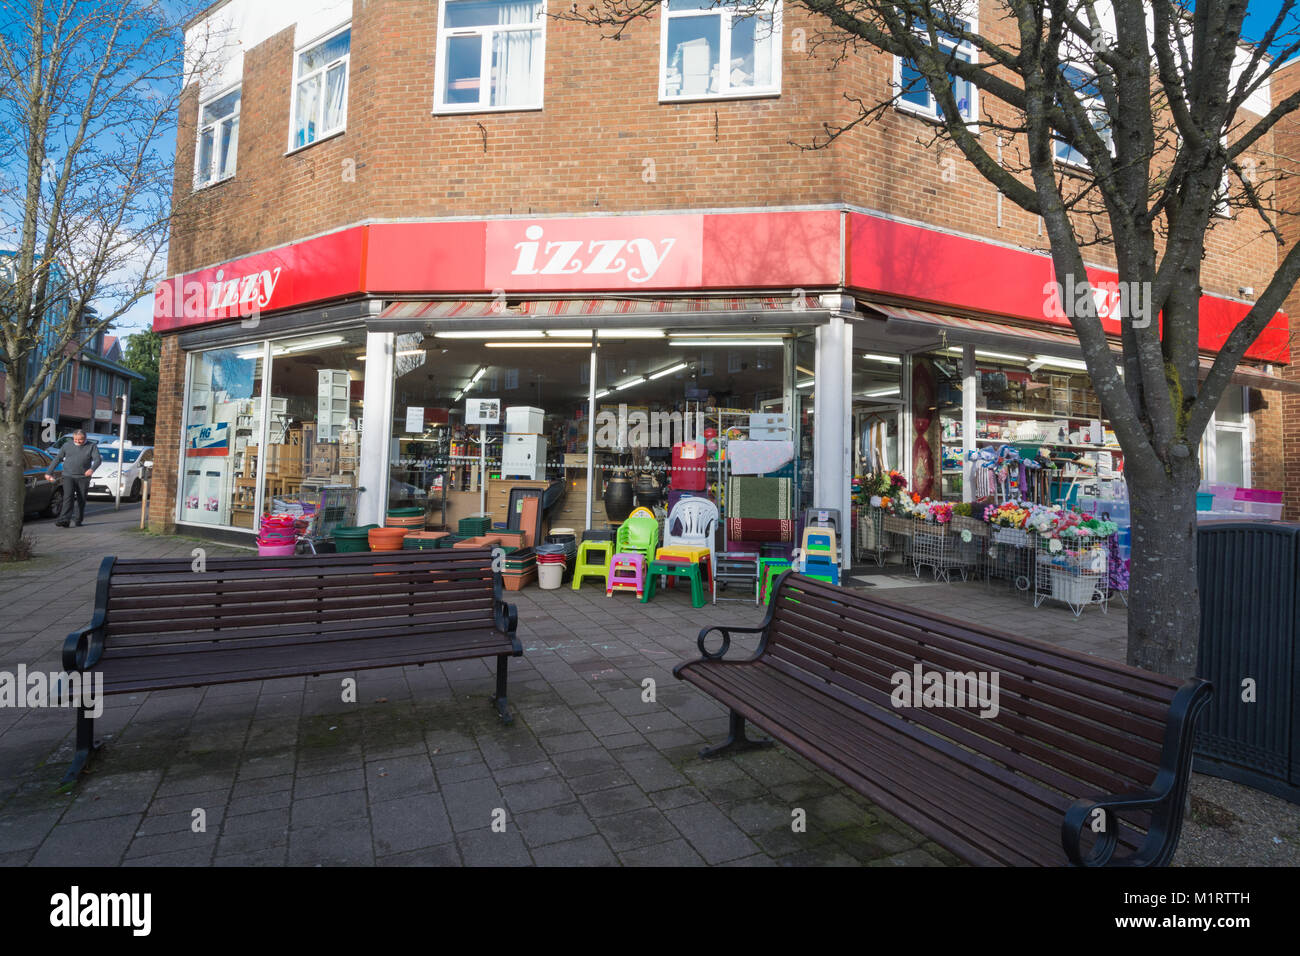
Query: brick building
[(385, 209)]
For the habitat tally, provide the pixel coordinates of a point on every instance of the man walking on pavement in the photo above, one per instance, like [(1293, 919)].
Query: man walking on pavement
[(80, 459)]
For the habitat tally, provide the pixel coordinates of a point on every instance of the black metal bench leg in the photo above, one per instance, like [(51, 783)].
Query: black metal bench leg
[(499, 698), (85, 744), (736, 739)]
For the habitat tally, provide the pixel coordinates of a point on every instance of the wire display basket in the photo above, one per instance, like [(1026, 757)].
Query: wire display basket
[(1009, 557), (322, 511), (873, 541), (945, 550), (1073, 572)]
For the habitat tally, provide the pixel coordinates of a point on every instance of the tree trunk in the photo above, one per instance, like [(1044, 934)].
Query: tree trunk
[(1164, 614), (13, 491)]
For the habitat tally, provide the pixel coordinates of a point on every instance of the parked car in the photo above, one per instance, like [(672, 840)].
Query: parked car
[(95, 438), (137, 458), (45, 497)]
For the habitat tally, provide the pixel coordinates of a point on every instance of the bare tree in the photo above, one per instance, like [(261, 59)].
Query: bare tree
[(88, 102), (1149, 96)]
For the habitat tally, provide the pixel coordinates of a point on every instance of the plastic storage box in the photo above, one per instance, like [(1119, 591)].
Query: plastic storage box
[(523, 420), (1257, 501)]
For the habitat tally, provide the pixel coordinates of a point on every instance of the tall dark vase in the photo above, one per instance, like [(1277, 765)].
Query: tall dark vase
[(648, 491), (618, 498)]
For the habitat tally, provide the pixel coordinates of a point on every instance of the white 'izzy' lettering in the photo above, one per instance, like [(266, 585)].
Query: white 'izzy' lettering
[(566, 256)]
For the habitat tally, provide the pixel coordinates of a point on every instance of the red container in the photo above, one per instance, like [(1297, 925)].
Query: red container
[(689, 467)]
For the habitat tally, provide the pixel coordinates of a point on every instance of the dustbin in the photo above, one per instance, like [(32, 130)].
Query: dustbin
[(1250, 650)]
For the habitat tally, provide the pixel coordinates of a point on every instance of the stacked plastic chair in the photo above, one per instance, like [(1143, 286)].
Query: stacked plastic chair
[(819, 556)]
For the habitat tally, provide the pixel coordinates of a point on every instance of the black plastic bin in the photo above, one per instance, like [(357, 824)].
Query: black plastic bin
[(1247, 576)]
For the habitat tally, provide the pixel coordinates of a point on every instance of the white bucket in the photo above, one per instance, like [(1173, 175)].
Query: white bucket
[(549, 576), (1074, 589)]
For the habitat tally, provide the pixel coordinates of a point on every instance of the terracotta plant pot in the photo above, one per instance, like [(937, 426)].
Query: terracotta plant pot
[(386, 539)]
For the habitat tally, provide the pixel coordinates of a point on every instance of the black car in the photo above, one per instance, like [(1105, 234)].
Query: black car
[(45, 497)]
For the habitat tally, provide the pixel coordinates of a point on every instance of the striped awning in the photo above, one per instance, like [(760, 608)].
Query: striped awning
[(963, 330), (755, 312)]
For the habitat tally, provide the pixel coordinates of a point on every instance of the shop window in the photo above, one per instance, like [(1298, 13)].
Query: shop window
[(877, 413), (218, 139), (313, 417), (914, 93), (491, 54), (84, 374), (320, 90), (719, 49), (222, 431), (1086, 90)]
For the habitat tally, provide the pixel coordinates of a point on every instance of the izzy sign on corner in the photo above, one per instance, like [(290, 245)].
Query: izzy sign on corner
[(597, 253)]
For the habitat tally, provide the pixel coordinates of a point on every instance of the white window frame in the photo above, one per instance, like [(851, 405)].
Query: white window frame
[(725, 13), (201, 181), (1094, 106), (322, 71), (488, 33), (932, 111), (1210, 440), (1221, 207)]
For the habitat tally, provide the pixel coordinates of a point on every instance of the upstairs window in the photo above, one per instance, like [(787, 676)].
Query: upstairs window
[(84, 378), (320, 90), (491, 55), (719, 48), (65, 378), (1088, 93), (218, 140), (914, 94)]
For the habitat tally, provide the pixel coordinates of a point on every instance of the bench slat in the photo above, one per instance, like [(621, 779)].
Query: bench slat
[(222, 667), (1013, 740)]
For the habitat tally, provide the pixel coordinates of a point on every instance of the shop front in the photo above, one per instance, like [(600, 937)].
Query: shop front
[(760, 360)]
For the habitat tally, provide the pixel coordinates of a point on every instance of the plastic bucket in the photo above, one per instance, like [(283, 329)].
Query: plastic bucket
[(276, 550), (550, 576)]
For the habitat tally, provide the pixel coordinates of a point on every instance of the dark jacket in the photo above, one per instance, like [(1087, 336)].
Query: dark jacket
[(76, 459)]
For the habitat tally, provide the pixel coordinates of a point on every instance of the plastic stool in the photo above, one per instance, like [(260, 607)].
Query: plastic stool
[(696, 554), (675, 569), (772, 571), (626, 573), (585, 567)]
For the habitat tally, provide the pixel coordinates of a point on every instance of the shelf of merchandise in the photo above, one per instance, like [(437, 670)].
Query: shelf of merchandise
[(1042, 416)]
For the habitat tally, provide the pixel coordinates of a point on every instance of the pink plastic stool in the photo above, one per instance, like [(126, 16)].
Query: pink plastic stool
[(626, 573)]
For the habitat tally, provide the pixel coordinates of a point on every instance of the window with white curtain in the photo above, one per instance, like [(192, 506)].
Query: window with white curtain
[(320, 90), (218, 139), (1226, 445), (717, 48), (490, 55)]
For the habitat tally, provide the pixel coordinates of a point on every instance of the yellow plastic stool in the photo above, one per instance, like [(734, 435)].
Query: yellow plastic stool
[(696, 554), (597, 566)]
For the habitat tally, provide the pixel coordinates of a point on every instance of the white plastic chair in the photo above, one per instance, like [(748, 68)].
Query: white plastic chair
[(698, 518)]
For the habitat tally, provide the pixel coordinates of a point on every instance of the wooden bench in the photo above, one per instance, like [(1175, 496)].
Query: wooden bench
[(1084, 762), (162, 624)]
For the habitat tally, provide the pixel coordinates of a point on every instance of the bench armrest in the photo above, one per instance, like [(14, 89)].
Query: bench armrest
[(726, 640), (505, 614), (83, 649), (1164, 800)]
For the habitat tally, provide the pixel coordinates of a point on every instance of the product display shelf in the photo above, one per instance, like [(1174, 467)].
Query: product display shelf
[(1074, 573)]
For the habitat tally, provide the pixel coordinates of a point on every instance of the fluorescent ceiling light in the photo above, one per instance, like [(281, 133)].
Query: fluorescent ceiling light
[(516, 334), (667, 371), (411, 352), (537, 345), (880, 392), (569, 333), (957, 350), (602, 393), (249, 354), (752, 343), (807, 384), (887, 359), (482, 370), (631, 333), (734, 335), (635, 381), (1041, 360)]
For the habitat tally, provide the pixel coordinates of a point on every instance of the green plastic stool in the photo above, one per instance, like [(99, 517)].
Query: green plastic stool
[(774, 569), (604, 550), (675, 569)]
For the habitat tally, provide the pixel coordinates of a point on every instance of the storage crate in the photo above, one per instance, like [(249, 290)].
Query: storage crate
[(1258, 501)]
